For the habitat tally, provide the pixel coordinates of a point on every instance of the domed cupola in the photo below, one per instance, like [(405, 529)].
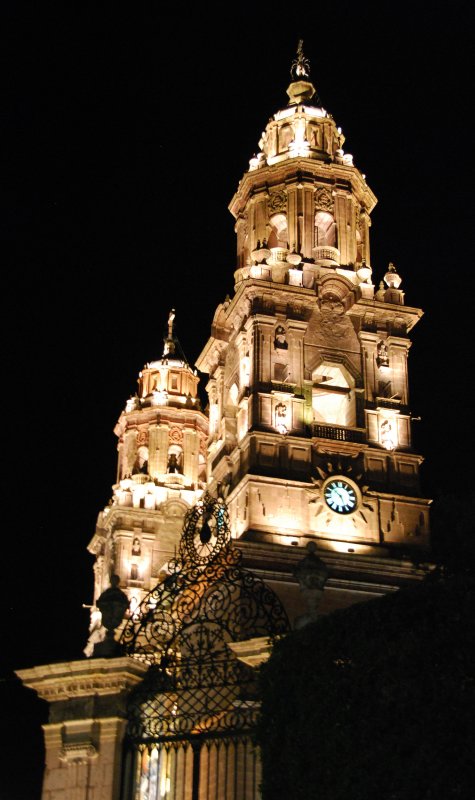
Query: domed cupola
[(169, 381), (302, 205), (162, 431)]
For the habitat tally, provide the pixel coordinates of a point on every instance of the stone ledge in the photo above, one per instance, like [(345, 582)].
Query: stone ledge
[(96, 676)]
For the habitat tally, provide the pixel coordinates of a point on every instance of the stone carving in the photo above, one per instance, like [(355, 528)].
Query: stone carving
[(331, 327), (278, 201), (387, 435), (176, 434), (280, 340), (281, 411), (323, 199), (312, 574), (382, 357), (113, 603), (142, 436)]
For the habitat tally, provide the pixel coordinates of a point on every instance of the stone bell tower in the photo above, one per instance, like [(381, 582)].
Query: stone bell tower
[(162, 436), (310, 424), (306, 445)]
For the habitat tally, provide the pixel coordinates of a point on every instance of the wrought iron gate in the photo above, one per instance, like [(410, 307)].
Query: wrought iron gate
[(190, 721)]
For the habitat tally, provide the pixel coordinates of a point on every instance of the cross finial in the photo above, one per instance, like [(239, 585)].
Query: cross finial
[(300, 65), (171, 318), (169, 342)]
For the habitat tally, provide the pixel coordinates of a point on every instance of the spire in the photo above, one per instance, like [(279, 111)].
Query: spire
[(171, 346), (169, 341), (301, 89)]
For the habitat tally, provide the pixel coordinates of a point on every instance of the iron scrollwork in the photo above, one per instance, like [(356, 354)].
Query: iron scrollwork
[(195, 684)]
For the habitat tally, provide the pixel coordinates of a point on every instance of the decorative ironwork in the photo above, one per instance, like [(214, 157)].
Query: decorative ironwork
[(300, 65), (195, 685), (338, 433), (206, 531)]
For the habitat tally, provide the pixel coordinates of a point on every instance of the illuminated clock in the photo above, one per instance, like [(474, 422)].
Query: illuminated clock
[(340, 495)]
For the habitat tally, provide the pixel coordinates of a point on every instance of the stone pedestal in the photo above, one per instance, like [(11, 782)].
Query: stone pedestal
[(87, 721)]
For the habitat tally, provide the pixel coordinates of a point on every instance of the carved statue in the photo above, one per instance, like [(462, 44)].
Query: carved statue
[(280, 339), (312, 575), (113, 603), (383, 356)]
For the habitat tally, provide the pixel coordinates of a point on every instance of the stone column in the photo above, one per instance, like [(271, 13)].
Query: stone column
[(191, 447), (86, 727), (343, 218), (130, 450)]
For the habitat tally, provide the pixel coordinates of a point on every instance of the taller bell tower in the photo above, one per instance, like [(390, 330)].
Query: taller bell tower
[(310, 424)]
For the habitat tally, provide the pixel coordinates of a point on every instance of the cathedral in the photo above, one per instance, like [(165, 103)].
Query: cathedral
[(296, 486)]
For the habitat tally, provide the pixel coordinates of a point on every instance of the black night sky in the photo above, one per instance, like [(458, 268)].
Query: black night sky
[(125, 134)]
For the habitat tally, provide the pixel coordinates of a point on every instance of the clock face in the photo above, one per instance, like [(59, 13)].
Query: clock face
[(340, 496)]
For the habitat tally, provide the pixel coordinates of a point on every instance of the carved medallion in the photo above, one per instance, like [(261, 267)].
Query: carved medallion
[(176, 434), (323, 199), (278, 201), (142, 436)]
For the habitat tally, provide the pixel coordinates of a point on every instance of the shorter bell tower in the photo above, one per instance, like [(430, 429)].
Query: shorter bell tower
[(162, 437)]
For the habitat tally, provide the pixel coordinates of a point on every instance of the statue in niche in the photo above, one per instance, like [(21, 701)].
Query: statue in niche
[(280, 341), (382, 358), (286, 135), (136, 548), (387, 436), (134, 572), (281, 418), (315, 136)]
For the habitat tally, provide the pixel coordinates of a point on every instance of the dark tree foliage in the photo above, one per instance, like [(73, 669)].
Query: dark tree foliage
[(453, 535), (376, 702)]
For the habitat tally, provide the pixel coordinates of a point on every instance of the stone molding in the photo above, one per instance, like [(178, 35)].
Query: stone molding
[(97, 676)]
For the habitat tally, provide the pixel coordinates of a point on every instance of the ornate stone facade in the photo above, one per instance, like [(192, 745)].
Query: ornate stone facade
[(307, 435)]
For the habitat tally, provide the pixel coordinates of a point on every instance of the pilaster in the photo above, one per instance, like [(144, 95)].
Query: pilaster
[(86, 727)]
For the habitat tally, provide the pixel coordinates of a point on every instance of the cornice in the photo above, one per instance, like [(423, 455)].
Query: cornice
[(304, 170), (96, 676)]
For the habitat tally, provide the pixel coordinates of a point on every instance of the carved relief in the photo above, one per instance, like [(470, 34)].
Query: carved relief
[(335, 326), (314, 136), (176, 434), (323, 199), (277, 201), (286, 135), (142, 436), (280, 340), (382, 358)]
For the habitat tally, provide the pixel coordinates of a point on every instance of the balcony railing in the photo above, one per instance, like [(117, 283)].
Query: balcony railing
[(326, 255), (338, 433)]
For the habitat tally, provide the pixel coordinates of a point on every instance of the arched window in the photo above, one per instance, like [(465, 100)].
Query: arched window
[(333, 397), (279, 234), (141, 462), (175, 459), (325, 230)]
